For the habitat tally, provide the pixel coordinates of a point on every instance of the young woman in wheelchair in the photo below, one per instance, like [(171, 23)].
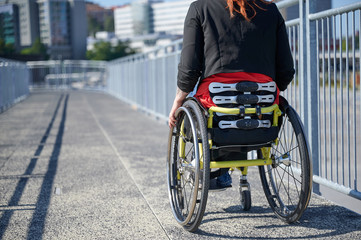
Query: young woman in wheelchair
[(238, 53), (229, 42)]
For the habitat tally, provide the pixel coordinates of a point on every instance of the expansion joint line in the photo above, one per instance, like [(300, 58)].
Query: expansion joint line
[(124, 164)]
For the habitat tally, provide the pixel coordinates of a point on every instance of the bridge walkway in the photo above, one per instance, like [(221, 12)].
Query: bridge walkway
[(84, 165)]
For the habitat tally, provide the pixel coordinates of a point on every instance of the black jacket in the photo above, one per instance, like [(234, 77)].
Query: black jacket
[(213, 42)]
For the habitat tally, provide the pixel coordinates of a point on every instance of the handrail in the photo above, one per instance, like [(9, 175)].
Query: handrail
[(287, 3), (336, 11)]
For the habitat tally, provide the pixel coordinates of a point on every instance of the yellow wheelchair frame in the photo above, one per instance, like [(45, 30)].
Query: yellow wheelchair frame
[(265, 150), (190, 167)]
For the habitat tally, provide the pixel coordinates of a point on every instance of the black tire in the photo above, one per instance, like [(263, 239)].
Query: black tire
[(188, 180), (288, 183), (246, 200)]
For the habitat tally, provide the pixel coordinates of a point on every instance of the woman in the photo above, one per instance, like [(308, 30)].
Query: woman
[(230, 41)]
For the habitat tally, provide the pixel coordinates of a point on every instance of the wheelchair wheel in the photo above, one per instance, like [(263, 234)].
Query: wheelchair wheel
[(188, 166), (246, 201), (287, 183)]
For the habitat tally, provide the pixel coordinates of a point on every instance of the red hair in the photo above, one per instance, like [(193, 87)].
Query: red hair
[(243, 7)]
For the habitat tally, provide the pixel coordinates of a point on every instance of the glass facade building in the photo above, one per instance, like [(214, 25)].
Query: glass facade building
[(9, 24), (54, 23), (27, 20), (63, 28)]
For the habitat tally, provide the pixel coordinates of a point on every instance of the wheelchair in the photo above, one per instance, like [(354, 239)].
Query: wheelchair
[(205, 142)]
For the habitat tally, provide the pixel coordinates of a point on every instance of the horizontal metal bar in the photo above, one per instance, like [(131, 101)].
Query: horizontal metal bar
[(240, 163), (287, 3), (332, 185), (337, 187), (146, 55), (293, 22), (336, 11)]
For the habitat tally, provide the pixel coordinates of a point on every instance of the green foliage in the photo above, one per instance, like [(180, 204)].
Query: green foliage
[(109, 24), (93, 26), (2, 46), (105, 51), (36, 49), (6, 48)]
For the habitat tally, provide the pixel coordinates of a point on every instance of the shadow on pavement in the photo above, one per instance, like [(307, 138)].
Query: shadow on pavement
[(335, 219), (38, 220)]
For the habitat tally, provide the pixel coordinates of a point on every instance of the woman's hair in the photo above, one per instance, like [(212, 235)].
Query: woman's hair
[(244, 6)]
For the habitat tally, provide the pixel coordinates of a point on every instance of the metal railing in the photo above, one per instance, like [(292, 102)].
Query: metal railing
[(336, 68), (147, 80), (326, 96), (14, 85), (56, 74), (325, 91)]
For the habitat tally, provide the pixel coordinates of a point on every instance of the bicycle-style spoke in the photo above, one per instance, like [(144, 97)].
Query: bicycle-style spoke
[(282, 132), (287, 192), (280, 179), (294, 180), (292, 137), (277, 152), (189, 151), (292, 175)]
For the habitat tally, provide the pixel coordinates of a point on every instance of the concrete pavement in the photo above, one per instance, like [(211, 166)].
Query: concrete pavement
[(84, 165)]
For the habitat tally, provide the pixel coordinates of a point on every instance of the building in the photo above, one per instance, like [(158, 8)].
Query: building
[(149, 23), (27, 19), (9, 24), (134, 19), (149, 16), (169, 17), (63, 28), (123, 22), (60, 24)]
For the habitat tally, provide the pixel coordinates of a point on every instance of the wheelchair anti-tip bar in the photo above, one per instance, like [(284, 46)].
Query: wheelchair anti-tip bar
[(243, 99), (245, 124), (216, 87)]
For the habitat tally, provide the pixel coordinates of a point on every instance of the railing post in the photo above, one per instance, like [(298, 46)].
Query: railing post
[(310, 91)]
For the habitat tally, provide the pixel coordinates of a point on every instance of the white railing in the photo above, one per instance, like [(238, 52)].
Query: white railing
[(325, 91), (319, 92), (14, 83), (336, 70), (67, 74)]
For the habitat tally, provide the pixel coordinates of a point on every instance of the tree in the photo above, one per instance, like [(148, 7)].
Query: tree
[(101, 51), (6, 49), (93, 26), (37, 48), (109, 24), (105, 51), (2, 46)]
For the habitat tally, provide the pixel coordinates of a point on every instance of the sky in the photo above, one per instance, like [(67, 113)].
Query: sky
[(108, 3)]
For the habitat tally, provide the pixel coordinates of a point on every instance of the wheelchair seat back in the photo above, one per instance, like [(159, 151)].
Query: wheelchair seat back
[(246, 131)]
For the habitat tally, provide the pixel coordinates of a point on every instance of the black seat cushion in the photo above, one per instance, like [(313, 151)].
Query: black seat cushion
[(224, 137)]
